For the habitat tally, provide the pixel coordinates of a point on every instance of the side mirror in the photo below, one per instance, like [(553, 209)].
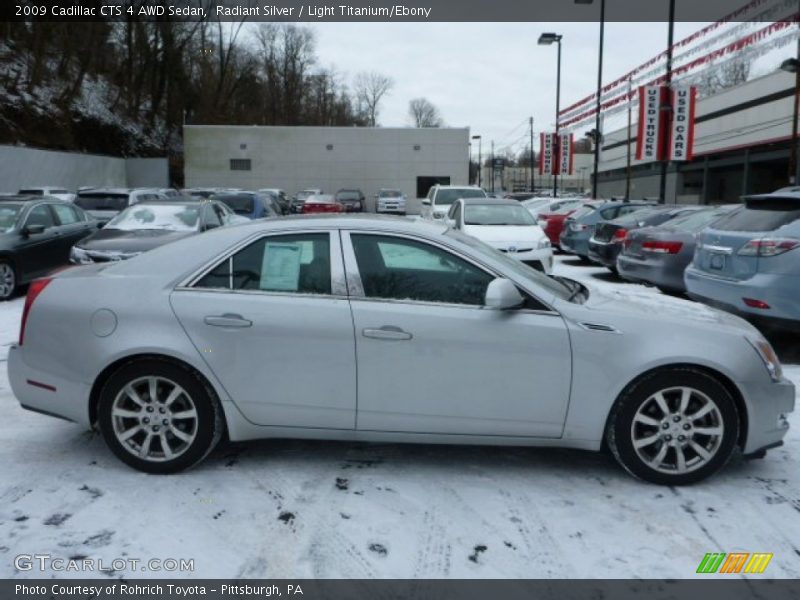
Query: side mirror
[(426, 202), (502, 295), (35, 229)]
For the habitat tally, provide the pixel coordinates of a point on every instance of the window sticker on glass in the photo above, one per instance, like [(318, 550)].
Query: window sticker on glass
[(280, 270)]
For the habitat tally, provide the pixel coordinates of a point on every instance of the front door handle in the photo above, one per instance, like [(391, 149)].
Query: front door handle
[(387, 332), (227, 320)]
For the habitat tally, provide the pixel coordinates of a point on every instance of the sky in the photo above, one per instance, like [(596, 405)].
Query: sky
[(490, 77)]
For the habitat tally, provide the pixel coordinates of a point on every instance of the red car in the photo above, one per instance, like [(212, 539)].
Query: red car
[(322, 203), (553, 223)]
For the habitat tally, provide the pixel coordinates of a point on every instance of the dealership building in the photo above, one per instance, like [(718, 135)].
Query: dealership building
[(329, 158), (742, 146)]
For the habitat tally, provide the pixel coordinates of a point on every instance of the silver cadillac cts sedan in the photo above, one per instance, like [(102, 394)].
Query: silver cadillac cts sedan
[(392, 330)]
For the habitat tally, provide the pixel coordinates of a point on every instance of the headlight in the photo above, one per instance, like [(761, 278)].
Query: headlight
[(764, 349), (544, 244), (79, 256)]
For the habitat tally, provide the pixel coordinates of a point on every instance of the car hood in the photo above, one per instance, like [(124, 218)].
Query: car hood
[(492, 233), (138, 240)]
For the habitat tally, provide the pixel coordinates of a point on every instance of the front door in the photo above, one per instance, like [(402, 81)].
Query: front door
[(432, 359), (269, 324)]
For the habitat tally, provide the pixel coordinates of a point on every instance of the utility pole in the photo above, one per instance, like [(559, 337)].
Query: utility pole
[(491, 168), (531, 158), (557, 152), (628, 165), (666, 107)]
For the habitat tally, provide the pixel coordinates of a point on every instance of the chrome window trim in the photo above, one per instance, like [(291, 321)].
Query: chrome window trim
[(356, 288), (338, 285)]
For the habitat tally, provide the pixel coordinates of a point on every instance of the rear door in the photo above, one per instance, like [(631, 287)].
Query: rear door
[(72, 227)]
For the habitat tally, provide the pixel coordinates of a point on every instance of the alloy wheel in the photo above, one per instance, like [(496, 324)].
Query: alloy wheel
[(7, 280)]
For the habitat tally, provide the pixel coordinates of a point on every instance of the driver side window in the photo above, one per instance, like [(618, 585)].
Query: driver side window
[(40, 215), (404, 269)]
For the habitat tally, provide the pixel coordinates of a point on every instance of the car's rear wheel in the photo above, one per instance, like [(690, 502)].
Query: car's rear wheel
[(674, 427), (158, 417), (8, 280)]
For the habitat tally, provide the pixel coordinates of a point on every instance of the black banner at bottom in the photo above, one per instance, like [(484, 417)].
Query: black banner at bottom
[(330, 589)]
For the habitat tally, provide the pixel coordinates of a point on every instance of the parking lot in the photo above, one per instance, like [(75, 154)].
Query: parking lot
[(286, 509)]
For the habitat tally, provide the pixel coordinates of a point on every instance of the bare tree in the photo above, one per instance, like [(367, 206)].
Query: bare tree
[(730, 74), (370, 88), (424, 113)]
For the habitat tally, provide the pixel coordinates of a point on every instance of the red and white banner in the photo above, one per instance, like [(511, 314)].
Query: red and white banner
[(566, 154), (681, 134), (547, 153), (652, 124)]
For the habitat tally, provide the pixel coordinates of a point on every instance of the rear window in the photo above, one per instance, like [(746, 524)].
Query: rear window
[(33, 192), (102, 201), (390, 194), (584, 210), (761, 215), (241, 205), (696, 220)]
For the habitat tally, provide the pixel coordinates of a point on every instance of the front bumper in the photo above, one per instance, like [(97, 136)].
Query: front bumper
[(392, 207), (604, 253), (768, 404), (42, 392), (540, 259)]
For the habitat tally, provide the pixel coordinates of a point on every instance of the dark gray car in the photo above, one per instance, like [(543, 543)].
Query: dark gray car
[(659, 255)]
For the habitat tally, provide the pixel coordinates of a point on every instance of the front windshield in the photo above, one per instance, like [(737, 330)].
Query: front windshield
[(447, 197), (102, 201), (552, 285), (169, 217), (348, 196), (241, 204), (8, 216), (390, 194), (497, 214)]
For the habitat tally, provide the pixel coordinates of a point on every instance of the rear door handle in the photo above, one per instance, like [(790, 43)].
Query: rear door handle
[(227, 320), (387, 332)]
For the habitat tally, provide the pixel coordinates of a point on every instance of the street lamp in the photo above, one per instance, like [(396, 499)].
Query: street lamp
[(599, 92), (480, 166), (792, 65), (546, 39)]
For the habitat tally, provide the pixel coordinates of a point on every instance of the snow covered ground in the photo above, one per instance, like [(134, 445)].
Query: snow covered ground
[(289, 509)]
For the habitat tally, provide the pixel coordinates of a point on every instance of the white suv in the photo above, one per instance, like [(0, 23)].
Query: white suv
[(106, 203), (52, 191), (441, 197)]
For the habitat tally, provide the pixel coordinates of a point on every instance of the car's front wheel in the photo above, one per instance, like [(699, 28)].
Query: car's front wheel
[(674, 427), (158, 417)]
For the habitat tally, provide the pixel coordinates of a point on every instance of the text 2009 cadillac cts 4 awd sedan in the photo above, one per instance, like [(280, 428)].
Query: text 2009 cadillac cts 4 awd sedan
[(381, 329)]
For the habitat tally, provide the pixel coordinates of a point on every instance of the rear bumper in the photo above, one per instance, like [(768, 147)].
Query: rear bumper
[(777, 291), (604, 253), (661, 274), (42, 392)]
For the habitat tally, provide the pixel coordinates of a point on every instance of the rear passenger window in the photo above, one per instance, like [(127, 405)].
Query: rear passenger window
[(287, 263), (66, 214), (40, 215)]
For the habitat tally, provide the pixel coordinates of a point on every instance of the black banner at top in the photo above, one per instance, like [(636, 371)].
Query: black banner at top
[(397, 10)]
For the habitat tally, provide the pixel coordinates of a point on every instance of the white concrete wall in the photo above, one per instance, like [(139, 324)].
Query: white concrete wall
[(296, 158), (29, 167)]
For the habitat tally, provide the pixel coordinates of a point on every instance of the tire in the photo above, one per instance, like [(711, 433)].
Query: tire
[(8, 280), (190, 417), (584, 259), (637, 419)]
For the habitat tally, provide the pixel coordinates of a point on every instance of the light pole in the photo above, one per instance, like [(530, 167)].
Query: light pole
[(666, 108), (546, 39), (480, 165), (598, 136), (792, 65)]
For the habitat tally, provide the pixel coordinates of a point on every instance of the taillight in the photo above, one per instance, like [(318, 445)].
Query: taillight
[(766, 247), (662, 247), (620, 235), (753, 303), (34, 289)]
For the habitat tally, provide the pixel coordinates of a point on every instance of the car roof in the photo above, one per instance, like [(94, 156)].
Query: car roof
[(175, 200), (492, 201), (792, 193), (106, 191), (31, 198)]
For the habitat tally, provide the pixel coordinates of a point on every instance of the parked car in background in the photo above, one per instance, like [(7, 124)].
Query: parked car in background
[(280, 197), (147, 225), (391, 201), (660, 255), (104, 204), (58, 192), (542, 206), (169, 192), (748, 262), (520, 196), (201, 192), (440, 197), (300, 199), (36, 234), (553, 224), (492, 352), (352, 200), (251, 205), (505, 225), (322, 203), (609, 237), (579, 226)]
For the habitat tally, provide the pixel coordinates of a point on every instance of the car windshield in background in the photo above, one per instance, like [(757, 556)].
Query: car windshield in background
[(761, 215), (32, 192), (102, 201), (390, 194), (584, 210), (170, 217), (497, 214), (696, 220), (445, 197), (8, 216), (348, 196), (240, 204)]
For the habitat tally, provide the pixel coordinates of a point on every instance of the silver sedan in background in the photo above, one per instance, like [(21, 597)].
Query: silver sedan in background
[(382, 329)]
